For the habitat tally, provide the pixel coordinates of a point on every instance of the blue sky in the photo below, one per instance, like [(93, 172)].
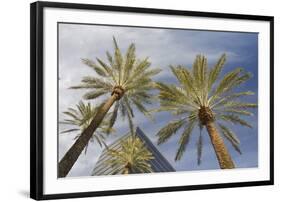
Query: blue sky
[(164, 47)]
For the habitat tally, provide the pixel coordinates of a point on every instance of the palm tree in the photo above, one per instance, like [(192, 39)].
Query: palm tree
[(131, 157), (202, 100), (128, 82), (80, 118)]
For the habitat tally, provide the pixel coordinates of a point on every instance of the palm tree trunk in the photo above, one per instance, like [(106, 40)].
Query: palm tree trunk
[(126, 171), (222, 154), (74, 152)]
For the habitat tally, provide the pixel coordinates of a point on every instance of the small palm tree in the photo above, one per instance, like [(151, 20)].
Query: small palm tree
[(80, 118), (127, 80), (201, 100), (131, 157)]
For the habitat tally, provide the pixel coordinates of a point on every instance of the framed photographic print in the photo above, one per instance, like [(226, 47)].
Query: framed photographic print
[(123, 97)]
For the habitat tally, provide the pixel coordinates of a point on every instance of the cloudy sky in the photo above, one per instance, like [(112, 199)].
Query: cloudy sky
[(163, 47)]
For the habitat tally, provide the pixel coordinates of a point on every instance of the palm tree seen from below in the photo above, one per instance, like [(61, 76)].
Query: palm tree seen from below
[(131, 157), (203, 100), (127, 81), (79, 119)]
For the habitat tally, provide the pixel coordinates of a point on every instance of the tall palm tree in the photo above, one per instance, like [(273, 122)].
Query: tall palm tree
[(202, 100), (131, 157), (80, 118), (127, 80)]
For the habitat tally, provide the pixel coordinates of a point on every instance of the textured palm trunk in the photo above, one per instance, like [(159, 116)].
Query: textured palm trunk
[(222, 154), (126, 171), (74, 152)]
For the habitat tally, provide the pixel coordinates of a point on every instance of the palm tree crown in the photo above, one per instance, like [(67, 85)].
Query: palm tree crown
[(127, 80), (131, 157), (201, 99), (80, 118), (124, 75)]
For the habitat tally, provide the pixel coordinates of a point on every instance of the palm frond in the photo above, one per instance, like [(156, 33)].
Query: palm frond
[(184, 140), (128, 104), (113, 116), (231, 137), (109, 58), (171, 95), (227, 82), (188, 83), (133, 153), (113, 76), (94, 94), (238, 112), (199, 69), (142, 108), (93, 82), (234, 119), (199, 147), (130, 61), (215, 71), (118, 60), (230, 81), (99, 138), (69, 130), (237, 105), (225, 99), (130, 121), (138, 69), (167, 131), (99, 70), (184, 77), (80, 117), (72, 115)]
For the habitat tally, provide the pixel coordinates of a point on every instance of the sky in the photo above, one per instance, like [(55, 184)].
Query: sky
[(164, 47)]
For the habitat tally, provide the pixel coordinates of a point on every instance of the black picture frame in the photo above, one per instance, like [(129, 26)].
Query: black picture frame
[(37, 102)]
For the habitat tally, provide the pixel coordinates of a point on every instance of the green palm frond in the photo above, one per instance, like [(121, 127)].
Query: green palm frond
[(142, 108), (237, 105), (94, 94), (184, 140), (69, 131), (130, 121), (171, 128), (100, 70), (199, 147), (238, 112), (187, 82), (229, 82), (118, 59), (199, 69), (234, 119), (123, 109), (173, 97), (215, 71), (97, 82), (130, 60), (224, 100), (231, 137), (80, 118), (113, 116)]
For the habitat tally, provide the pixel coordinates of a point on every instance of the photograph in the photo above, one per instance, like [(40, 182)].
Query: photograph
[(138, 100), (124, 97)]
